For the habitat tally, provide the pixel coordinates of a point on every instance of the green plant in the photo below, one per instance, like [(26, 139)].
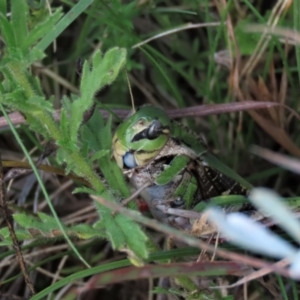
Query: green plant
[(21, 91), (177, 67)]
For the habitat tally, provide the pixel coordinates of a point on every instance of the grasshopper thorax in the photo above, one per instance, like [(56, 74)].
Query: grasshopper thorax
[(141, 137)]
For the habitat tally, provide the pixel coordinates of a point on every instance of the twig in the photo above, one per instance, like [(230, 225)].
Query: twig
[(9, 221), (189, 240), (174, 30), (135, 194)]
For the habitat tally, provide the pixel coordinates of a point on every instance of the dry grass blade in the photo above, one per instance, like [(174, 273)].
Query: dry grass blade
[(195, 111), (17, 119), (288, 35), (277, 11), (11, 297), (180, 28), (214, 109), (277, 133), (271, 119), (163, 270), (258, 274), (21, 168), (284, 161)]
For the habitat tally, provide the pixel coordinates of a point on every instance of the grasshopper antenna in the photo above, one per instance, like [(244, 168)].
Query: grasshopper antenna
[(130, 91)]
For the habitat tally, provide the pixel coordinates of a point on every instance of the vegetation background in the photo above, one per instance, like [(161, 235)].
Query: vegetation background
[(180, 54)]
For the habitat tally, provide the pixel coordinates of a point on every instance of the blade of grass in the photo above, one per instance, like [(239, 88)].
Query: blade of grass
[(69, 17), (173, 88)]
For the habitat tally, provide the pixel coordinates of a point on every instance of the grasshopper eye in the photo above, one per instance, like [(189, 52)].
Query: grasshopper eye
[(154, 130)]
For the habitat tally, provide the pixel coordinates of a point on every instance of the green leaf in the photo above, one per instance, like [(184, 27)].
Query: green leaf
[(19, 15), (123, 232), (4, 232), (21, 235), (247, 41), (27, 221), (135, 236), (64, 124), (48, 223), (83, 190), (113, 231), (68, 18), (31, 108), (99, 138), (177, 165), (100, 154), (102, 72), (63, 156), (3, 8), (85, 231), (46, 226), (7, 32), (40, 30), (46, 121), (33, 55), (20, 76)]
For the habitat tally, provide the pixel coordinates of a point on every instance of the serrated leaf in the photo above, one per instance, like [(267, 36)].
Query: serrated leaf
[(38, 104), (48, 222), (123, 232), (113, 231), (17, 100), (27, 221), (46, 226), (135, 236), (63, 156), (41, 29), (33, 56), (85, 231), (102, 72)]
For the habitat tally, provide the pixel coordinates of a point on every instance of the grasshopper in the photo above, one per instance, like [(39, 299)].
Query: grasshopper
[(171, 166)]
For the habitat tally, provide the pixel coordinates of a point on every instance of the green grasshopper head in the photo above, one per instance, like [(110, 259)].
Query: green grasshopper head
[(141, 137)]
